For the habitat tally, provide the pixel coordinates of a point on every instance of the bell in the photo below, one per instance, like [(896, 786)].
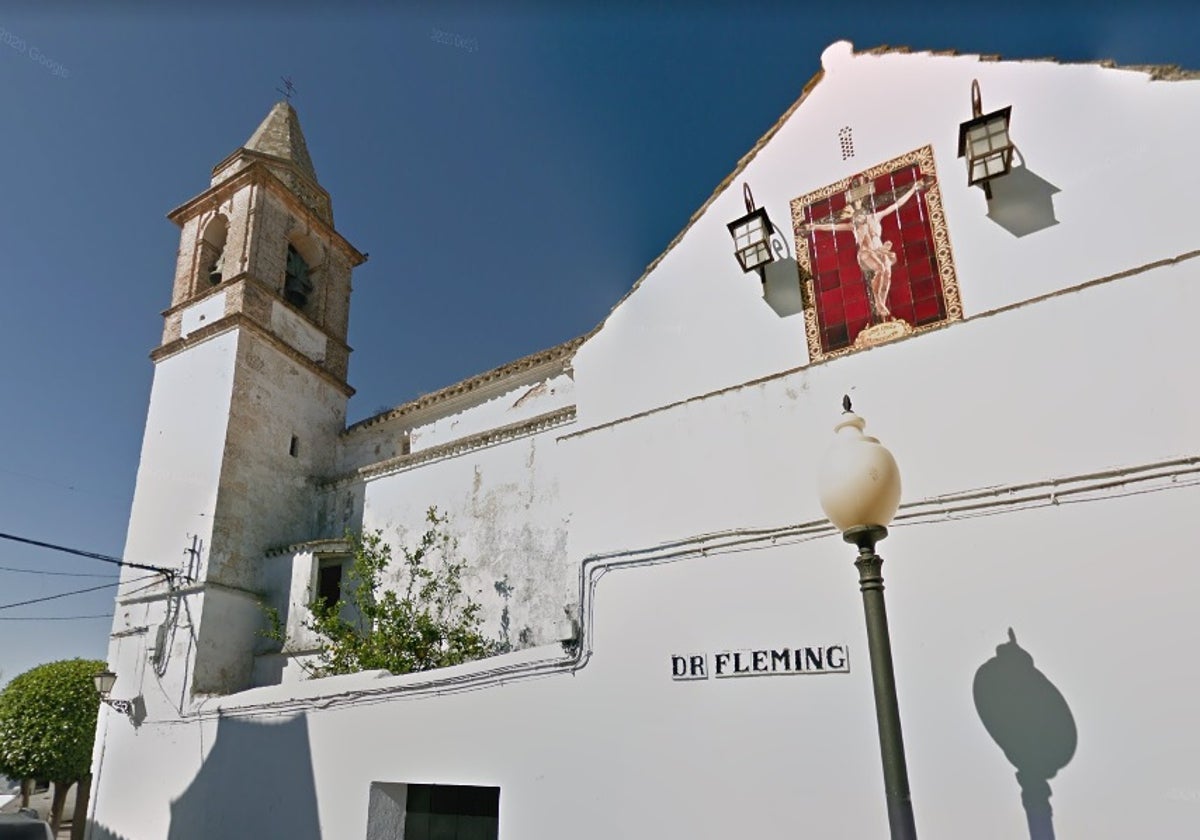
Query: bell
[(297, 284), (217, 270)]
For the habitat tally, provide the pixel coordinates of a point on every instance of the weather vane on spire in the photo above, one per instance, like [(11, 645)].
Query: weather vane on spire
[(288, 90)]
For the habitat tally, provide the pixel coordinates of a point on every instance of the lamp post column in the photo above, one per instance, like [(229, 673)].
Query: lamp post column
[(858, 484), (883, 678)]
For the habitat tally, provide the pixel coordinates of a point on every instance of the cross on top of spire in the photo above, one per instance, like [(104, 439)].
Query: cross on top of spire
[(288, 90)]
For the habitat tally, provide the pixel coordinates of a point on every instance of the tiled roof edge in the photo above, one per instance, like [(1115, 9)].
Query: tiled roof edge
[(543, 357)]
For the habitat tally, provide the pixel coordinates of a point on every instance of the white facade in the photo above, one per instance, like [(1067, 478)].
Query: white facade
[(654, 482)]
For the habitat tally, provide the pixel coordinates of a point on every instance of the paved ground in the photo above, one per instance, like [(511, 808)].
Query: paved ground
[(41, 803)]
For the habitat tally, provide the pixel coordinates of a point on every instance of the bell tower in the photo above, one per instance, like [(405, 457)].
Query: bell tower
[(248, 400), (261, 243)]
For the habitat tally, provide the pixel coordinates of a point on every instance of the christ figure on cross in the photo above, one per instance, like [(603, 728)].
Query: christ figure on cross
[(875, 255)]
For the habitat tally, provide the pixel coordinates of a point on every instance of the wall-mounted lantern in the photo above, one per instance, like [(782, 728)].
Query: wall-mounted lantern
[(105, 680), (752, 237), (985, 143)]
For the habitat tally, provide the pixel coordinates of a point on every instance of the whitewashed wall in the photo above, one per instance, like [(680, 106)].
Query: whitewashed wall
[(1096, 586), (174, 501), (1107, 139), (1094, 593), (1077, 383), (506, 509), (523, 400)]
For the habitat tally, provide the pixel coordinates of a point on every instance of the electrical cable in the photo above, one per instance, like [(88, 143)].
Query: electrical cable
[(93, 555), (52, 617), (73, 592), (1178, 474), (56, 574), (60, 595)]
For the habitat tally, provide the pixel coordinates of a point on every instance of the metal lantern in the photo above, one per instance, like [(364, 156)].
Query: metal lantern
[(752, 236), (983, 140), (105, 680)]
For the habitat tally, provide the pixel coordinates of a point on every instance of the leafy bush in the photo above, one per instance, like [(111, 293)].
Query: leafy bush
[(428, 622), (48, 725)]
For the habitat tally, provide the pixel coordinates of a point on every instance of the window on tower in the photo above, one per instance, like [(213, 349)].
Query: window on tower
[(297, 280)]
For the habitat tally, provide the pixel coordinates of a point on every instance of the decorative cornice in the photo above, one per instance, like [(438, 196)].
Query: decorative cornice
[(227, 285), (240, 319), (491, 437), (257, 172), (559, 355), (200, 587), (318, 547)]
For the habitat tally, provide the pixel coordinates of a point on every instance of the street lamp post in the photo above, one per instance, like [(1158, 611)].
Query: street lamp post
[(858, 484)]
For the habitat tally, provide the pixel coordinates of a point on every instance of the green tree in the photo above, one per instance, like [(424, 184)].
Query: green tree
[(426, 622), (48, 725)]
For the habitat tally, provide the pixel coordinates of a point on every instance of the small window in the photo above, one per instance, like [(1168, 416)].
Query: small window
[(297, 279), (432, 812), (294, 447), (329, 581), (459, 811)]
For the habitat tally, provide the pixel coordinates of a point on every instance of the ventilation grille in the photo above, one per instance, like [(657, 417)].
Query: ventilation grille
[(846, 141)]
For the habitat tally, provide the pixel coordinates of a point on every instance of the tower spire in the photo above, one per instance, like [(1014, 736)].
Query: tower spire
[(279, 136)]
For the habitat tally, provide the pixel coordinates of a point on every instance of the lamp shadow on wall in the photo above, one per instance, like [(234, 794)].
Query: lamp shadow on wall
[(781, 287), (257, 781), (1022, 202), (1029, 719)]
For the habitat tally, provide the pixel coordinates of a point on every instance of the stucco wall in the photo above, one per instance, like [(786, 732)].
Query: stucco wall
[(521, 401), (1049, 453), (1073, 384), (1093, 592), (510, 399), (507, 511), (174, 502), (1101, 137)]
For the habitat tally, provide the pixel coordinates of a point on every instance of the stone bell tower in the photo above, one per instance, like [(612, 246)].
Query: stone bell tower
[(248, 399)]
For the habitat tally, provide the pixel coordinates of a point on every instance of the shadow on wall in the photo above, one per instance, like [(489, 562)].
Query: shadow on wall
[(1022, 202), (256, 782), (1030, 721), (99, 832)]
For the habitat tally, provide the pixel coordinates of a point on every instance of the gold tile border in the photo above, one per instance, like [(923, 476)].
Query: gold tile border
[(943, 256)]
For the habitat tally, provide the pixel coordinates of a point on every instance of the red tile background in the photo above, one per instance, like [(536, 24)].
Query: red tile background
[(916, 295)]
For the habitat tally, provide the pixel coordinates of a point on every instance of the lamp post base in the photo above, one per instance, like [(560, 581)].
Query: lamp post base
[(883, 678)]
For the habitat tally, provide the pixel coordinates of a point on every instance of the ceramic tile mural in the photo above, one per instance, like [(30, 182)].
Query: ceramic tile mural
[(875, 256)]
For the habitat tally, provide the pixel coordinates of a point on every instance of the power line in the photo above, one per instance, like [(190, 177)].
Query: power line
[(73, 592), (60, 595), (93, 555), (52, 617), (56, 574)]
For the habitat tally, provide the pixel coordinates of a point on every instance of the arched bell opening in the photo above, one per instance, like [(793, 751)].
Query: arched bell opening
[(302, 272), (212, 263)]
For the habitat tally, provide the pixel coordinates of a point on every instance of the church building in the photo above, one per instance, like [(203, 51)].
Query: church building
[(979, 254)]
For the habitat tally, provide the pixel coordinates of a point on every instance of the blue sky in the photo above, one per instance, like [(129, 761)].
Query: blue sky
[(509, 190)]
